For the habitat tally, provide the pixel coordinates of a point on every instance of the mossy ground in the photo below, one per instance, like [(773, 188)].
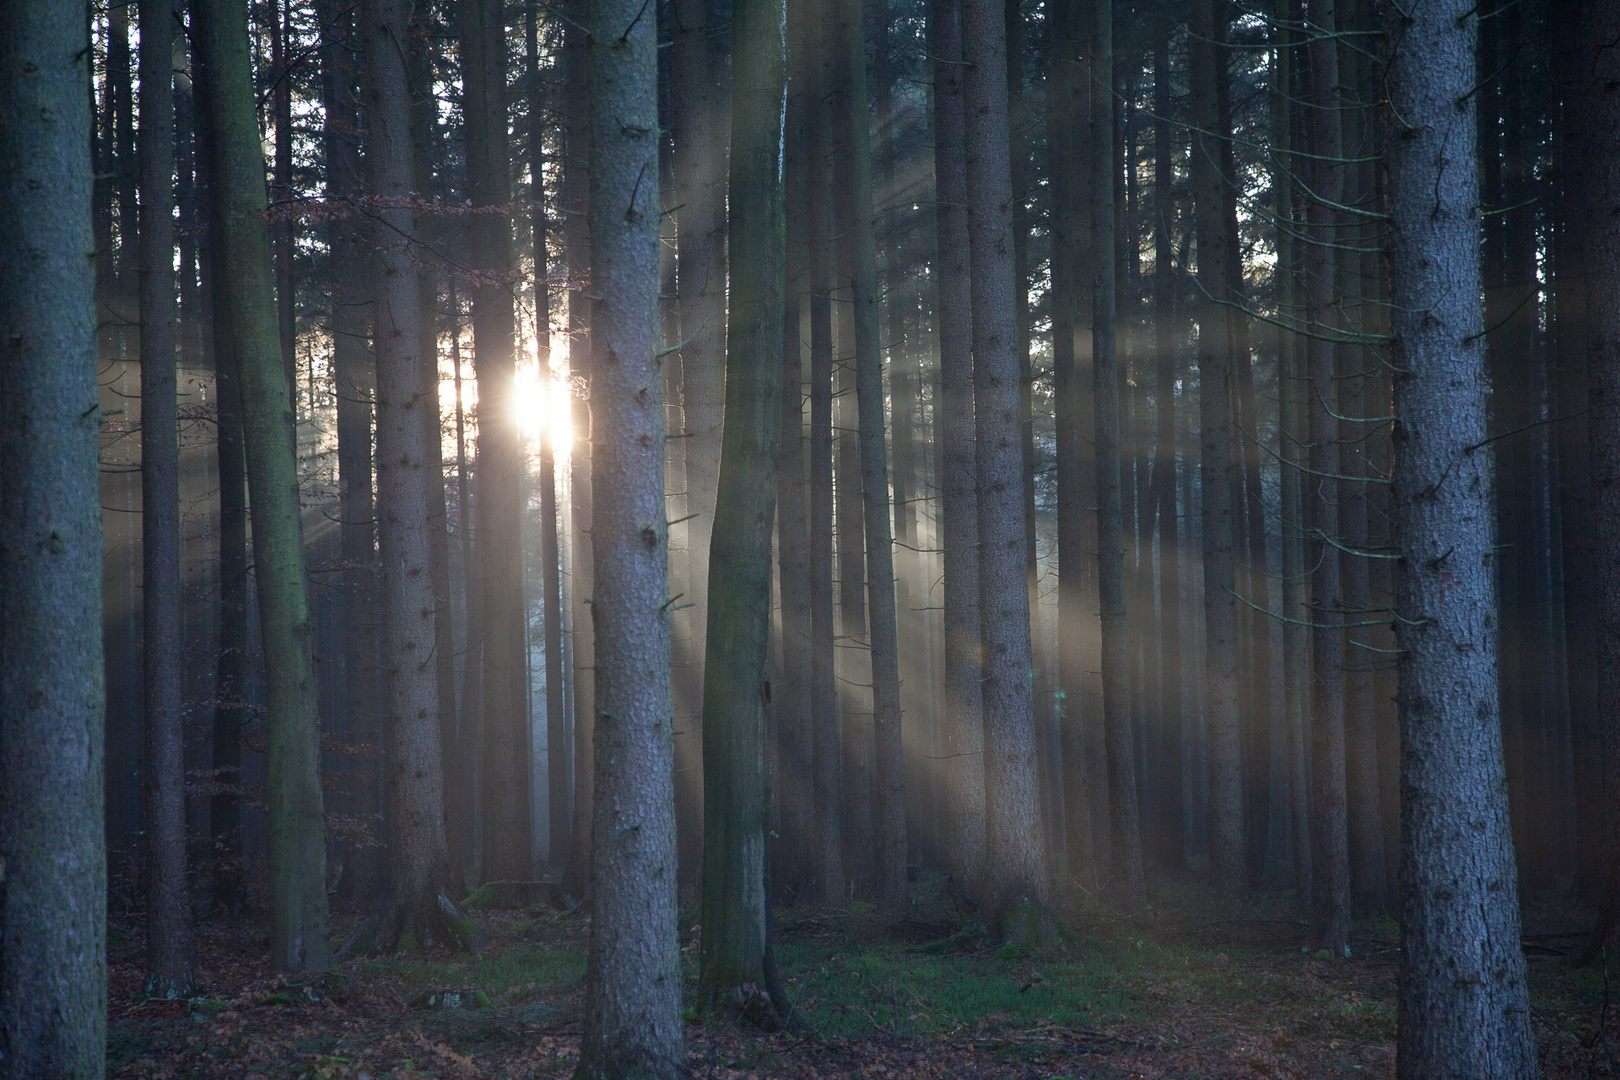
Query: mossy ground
[(1188, 989)]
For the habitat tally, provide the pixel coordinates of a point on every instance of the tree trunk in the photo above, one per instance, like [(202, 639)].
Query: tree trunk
[(505, 787), (53, 974), (557, 794), (1463, 1005), (698, 108), (1068, 95), (354, 386), (170, 959), (281, 229), (1105, 380), (424, 138), (577, 252), (962, 744), (633, 983), (1171, 831), (827, 823), (793, 794), (736, 687), (417, 909), (888, 776), (1330, 854), (1221, 671), (297, 854), (1296, 687), (1016, 868)]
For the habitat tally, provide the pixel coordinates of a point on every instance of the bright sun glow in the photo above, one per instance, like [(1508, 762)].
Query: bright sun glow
[(545, 408)]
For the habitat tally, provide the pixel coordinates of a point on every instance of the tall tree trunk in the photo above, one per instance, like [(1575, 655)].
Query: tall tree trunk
[(888, 776), (1171, 831), (577, 252), (170, 959), (1016, 868), (827, 823), (1105, 379), (1463, 1007), (1602, 340), (557, 794), (417, 908), (281, 228), (1290, 441), (1571, 279), (962, 744), (297, 849), (424, 138), (53, 973), (736, 687), (1217, 461), (354, 386), (793, 775), (633, 983), (505, 787), (1067, 112), (698, 107), (853, 663), (1330, 846)]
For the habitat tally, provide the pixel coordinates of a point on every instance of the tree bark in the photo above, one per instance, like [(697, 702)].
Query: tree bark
[(736, 687), (633, 985), (888, 776), (1221, 671), (1016, 869), (577, 252), (1330, 844), (297, 849), (505, 781), (962, 744), (417, 909), (53, 973), (558, 797), (1463, 1005), (1171, 831), (698, 114), (1105, 380), (170, 955)]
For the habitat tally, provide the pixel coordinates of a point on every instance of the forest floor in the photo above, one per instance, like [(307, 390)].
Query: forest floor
[(1184, 990)]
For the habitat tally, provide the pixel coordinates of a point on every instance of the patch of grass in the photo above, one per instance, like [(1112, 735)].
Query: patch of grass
[(497, 971)]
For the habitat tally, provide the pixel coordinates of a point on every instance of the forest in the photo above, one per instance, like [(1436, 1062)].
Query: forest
[(641, 539)]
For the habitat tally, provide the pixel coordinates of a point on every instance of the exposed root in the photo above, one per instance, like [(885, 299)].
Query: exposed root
[(409, 925)]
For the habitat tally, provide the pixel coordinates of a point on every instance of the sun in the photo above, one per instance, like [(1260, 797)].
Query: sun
[(544, 407)]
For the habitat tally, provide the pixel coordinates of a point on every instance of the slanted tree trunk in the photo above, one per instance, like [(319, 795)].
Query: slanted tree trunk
[(962, 744), (633, 983), (53, 972), (504, 790), (417, 909), (1463, 1005), (736, 687), (827, 823), (1016, 868), (1221, 671), (297, 848), (1330, 844), (1105, 379), (888, 775), (170, 959)]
